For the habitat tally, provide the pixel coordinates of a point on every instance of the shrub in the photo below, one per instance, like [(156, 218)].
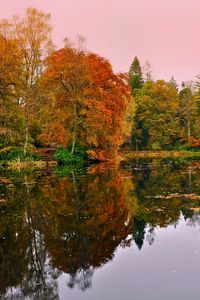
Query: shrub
[(17, 154), (64, 156), (156, 146), (14, 154), (186, 147), (4, 152)]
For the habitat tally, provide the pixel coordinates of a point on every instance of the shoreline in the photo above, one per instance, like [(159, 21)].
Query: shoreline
[(122, 156), (158, 154), (23, 165)]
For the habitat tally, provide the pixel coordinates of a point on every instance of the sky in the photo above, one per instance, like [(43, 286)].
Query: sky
[(165, 32)]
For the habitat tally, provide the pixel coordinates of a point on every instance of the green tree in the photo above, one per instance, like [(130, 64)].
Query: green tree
[(135, 75), (196, 128), (147, 72), (173, 83), (198, 82), (187, 112), (156, 121), (197, 95)]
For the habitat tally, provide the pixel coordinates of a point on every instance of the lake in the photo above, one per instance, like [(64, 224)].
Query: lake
[(101, 233)]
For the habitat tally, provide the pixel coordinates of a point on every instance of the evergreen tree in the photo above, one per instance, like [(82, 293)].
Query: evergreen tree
[(135, 75), (156, 122), (147, 72), (173, 83), (190, 84), (186, 111), (198, 82), (197, 95)]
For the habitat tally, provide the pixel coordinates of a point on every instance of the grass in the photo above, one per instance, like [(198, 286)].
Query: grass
[(22, 165), (14, 158)]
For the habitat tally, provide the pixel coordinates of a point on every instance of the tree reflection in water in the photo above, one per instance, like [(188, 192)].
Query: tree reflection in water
[(23, 260), (88, 219), (74, 222)]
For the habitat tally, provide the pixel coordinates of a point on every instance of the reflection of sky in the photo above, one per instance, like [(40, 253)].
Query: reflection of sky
[(165, 32), (169, 269)]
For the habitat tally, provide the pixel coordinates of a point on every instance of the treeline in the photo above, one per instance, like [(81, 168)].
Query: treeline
[(71, 97), (166, 116)]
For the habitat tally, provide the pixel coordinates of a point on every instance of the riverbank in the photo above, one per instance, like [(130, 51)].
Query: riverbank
[(13, 158), (47, 160), (21, 165), (158, 154)]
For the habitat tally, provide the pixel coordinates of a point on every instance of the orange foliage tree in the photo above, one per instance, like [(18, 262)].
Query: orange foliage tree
[(194, 142), (89, 102), (11, 120)]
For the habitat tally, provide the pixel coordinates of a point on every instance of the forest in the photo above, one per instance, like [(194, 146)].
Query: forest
[(70, 99)]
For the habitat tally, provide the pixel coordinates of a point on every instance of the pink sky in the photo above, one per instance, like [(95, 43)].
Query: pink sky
[(166, 32)]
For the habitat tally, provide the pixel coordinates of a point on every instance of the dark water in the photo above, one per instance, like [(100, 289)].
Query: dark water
[(102, 233)]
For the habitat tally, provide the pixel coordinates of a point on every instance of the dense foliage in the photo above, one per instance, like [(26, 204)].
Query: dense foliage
[(165, 117), (90, 101), (64, 155), (17, 154)]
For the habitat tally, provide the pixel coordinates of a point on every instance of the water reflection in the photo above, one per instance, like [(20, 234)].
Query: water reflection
[(24, 270), (73, 222), (165, 190)]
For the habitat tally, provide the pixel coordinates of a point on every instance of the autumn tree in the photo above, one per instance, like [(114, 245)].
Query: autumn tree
[(32, 36), (66, 77), (91, 99), (11, 119), (107, 100)]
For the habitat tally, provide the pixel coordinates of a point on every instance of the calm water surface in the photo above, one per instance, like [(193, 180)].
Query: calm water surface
[(103, 233)]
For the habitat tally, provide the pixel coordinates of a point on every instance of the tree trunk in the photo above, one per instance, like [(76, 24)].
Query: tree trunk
[(189, 130), (190, 178), (26, 135), (74, 129)]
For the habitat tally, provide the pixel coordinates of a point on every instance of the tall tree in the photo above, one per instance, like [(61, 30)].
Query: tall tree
[(147, 71), (32, 35), (195, 141), (197, 95), (107, 101), (156, 121), (198, 82), (173, 83), (66, 78), (186, 111), (90, 98), (11, 120), (135, 75)]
